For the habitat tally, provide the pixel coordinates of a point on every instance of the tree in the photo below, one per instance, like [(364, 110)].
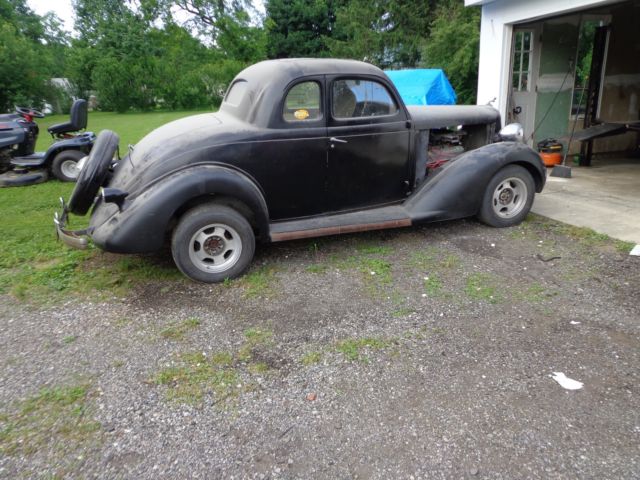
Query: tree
[(300, 28), (31, 51), (454, 46), (387, 33)]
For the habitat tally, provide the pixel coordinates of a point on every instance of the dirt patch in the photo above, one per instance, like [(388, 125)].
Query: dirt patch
[(424, 352)]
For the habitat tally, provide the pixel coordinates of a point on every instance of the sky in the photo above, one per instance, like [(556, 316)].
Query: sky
[(64, 10)]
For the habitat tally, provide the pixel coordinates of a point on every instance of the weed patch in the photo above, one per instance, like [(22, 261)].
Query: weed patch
[(311, 358), (177, 331), (482, 286), (196, 374), (432, 285), (259, 282), (57, 418), (356, 349), (318, 268)]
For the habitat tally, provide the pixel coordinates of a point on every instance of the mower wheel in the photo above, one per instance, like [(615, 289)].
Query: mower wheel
[(65, 165)]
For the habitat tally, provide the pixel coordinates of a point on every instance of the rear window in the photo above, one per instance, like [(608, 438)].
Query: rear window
[(302, 102), (236, 93)]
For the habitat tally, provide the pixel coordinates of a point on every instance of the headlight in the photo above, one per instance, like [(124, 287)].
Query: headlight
[(512, 133)]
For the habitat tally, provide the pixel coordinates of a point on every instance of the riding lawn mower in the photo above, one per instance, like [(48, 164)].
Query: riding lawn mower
[(21, 165)]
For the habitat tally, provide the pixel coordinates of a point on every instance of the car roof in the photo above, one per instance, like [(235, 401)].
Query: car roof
[(288, 69), (266, 82)]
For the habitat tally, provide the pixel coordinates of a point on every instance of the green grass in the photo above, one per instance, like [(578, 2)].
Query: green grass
[(177, 331), (355, 349), (195, 374), (317, 268), (58, 418), (535, 224), (311, 358), (254, 338), (33, 266), (131, 127), (432, 285), (259, 282), (482, 286)]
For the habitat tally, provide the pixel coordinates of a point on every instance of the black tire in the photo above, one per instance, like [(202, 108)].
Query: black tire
[(508, 197), (60, 167), (93, 173), (230, 239)]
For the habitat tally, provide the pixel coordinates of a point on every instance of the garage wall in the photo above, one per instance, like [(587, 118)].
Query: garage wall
[(620, 100)]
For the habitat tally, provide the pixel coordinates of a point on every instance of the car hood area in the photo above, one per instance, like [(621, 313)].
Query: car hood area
[(425, 117)]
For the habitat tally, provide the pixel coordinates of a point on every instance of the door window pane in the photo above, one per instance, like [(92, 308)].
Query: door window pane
[(522, 59), (361, 98), (302, 102)]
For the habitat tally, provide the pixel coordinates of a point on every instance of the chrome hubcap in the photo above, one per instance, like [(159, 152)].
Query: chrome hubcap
[(215, 248), (509, 197)]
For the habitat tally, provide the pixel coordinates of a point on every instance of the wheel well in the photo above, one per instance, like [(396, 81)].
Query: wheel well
[(535, 174), (231, 202)]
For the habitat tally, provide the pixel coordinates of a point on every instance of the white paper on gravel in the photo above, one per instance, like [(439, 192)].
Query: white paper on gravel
[(566, 382), (635, 251)]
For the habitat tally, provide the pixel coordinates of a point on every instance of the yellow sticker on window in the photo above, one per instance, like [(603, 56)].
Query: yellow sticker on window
[(301, 114)]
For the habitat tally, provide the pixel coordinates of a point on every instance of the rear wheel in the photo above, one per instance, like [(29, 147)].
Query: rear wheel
[(508, 197), (212, 243), (65, 165)]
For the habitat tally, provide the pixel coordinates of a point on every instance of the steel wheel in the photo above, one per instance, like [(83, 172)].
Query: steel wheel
[(70, 169), (215, 248), (509, 197), (212, 242)]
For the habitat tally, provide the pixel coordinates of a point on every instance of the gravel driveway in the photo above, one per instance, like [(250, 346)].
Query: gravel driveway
[(417, 353)]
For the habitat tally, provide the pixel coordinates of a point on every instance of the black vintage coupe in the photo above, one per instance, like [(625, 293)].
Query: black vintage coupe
[(299, 148)]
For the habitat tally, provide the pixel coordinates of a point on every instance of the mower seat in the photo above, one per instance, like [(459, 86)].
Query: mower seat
[(77, 120)]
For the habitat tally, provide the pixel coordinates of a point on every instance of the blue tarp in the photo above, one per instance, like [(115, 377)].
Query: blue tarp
[(423, 86)]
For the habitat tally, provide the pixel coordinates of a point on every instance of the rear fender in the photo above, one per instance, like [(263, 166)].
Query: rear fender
[(82, 142), (457, 191), (144, 220)]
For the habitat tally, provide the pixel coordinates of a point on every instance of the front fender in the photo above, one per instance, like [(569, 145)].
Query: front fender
[(144, 220), (457, 191)]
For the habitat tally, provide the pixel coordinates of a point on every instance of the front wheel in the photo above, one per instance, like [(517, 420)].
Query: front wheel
[(212, 243), (65, 165), (508, 197)]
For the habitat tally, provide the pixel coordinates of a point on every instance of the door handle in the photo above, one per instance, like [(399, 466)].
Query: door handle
[(337, 140)]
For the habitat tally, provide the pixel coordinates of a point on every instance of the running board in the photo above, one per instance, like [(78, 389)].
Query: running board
[(361, 221)]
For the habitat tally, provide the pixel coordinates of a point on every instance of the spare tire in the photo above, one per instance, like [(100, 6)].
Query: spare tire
[(93, 173)]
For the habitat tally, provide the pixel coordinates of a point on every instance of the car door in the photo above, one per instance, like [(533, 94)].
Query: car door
[(293, 177), (368, 144)]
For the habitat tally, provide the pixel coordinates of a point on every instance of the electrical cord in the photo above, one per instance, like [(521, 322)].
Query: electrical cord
[(555, 97)]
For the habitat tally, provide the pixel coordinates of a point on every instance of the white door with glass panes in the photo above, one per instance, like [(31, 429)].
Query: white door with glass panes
[(525, 59)]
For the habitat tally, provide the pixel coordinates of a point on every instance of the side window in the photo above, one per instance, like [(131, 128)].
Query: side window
[(302, 103), (361, 98), (236, 94)]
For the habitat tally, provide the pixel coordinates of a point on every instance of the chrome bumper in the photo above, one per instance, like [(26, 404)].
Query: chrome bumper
[(72, 238)]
